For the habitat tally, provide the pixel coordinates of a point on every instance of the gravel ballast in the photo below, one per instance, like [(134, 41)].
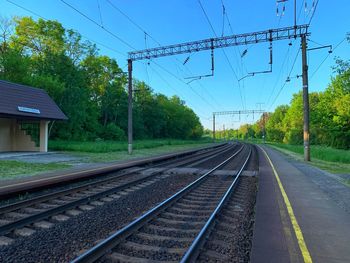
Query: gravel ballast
[(65, 240)]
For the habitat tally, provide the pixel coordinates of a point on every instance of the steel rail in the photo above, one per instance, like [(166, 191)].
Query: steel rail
[(101, 248), (46, 197), (30, 186), (56, 210), (194, 250)]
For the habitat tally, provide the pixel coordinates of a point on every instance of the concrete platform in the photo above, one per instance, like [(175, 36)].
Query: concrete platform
[(322, 226), (41, 157), (17, 185)]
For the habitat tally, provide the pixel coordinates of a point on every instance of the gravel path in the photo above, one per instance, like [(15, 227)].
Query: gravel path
[(65, 240)]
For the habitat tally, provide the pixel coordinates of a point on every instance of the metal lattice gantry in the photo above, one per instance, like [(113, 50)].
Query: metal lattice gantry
[(221, 42), (283, 33), (239, 112)]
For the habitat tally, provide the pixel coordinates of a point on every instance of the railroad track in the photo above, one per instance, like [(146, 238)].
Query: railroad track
[(78, 177), (176, 229), (23, 218)]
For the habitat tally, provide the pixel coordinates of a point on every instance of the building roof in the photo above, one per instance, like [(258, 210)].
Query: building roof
[(31, 103)]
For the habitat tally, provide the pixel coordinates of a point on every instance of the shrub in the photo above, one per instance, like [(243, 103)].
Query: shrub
[(112, 132)]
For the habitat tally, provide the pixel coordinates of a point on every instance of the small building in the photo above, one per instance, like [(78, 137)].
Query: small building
[(25, 113)]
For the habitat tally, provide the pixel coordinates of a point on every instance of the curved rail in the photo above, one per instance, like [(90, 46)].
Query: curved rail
[(193, 251), (4, 229), (100, 249), (44, 183), (45, 197)]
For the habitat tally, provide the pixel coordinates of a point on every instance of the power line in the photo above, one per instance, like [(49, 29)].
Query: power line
[(206, 16), (97, 24), (319, 66), (99, 11), (46, 19), (146, 64), (170, 86), (284, 84), (279, 75), (132, 21), (229, 62), (314, 11), (300, 9), (181, 80), (38, 15), (238, 58), (203, 87), (147, 35)]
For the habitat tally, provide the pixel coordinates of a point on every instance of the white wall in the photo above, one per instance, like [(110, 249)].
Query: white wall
[(12, 138), (5, 135)]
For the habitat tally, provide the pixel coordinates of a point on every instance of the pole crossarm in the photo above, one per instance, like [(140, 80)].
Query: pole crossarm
[(221, 42), (237, 112)]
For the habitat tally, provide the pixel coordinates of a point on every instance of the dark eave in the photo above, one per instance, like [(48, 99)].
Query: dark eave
[(20, 101)]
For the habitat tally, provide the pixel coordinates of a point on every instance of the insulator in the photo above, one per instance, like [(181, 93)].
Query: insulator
[(186, 60)]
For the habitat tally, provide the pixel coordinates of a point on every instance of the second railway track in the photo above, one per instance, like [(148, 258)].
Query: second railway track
[(175, 229), (23, 218)]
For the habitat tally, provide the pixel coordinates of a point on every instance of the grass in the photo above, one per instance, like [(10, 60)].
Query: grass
[(138, 153), (97, 152), (319, 152), (10, 169), (115, 146), (332, 160)]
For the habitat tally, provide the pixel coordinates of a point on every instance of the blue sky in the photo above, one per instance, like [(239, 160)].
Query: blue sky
[(171, 22)]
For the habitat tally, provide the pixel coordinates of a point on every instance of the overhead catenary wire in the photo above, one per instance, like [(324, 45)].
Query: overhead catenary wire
[(320, 65), (46, 19), (132, 21), (146, 64), (99, 11), (147, 34), (38, 15), (182, 81), (285, 58), (313, 13), (285, 82), (279, 75), (229, 62), (300, 10), (239, 60), (174, 89), (99, 25)]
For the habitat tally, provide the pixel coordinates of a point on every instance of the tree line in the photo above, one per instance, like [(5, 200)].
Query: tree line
[(90, 88), (329, 116)]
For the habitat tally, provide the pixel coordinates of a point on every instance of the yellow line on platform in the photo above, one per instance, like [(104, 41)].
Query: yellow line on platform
[(298, 233)]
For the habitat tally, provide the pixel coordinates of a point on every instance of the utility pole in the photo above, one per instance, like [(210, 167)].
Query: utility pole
[(305, 99), (264, 129), (224, 132), (130, 106), (214, 126), (269, 35)]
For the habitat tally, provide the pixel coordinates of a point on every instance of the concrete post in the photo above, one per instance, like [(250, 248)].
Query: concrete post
[(305, 99), (44, 135), (214, 126), (130, 106)]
